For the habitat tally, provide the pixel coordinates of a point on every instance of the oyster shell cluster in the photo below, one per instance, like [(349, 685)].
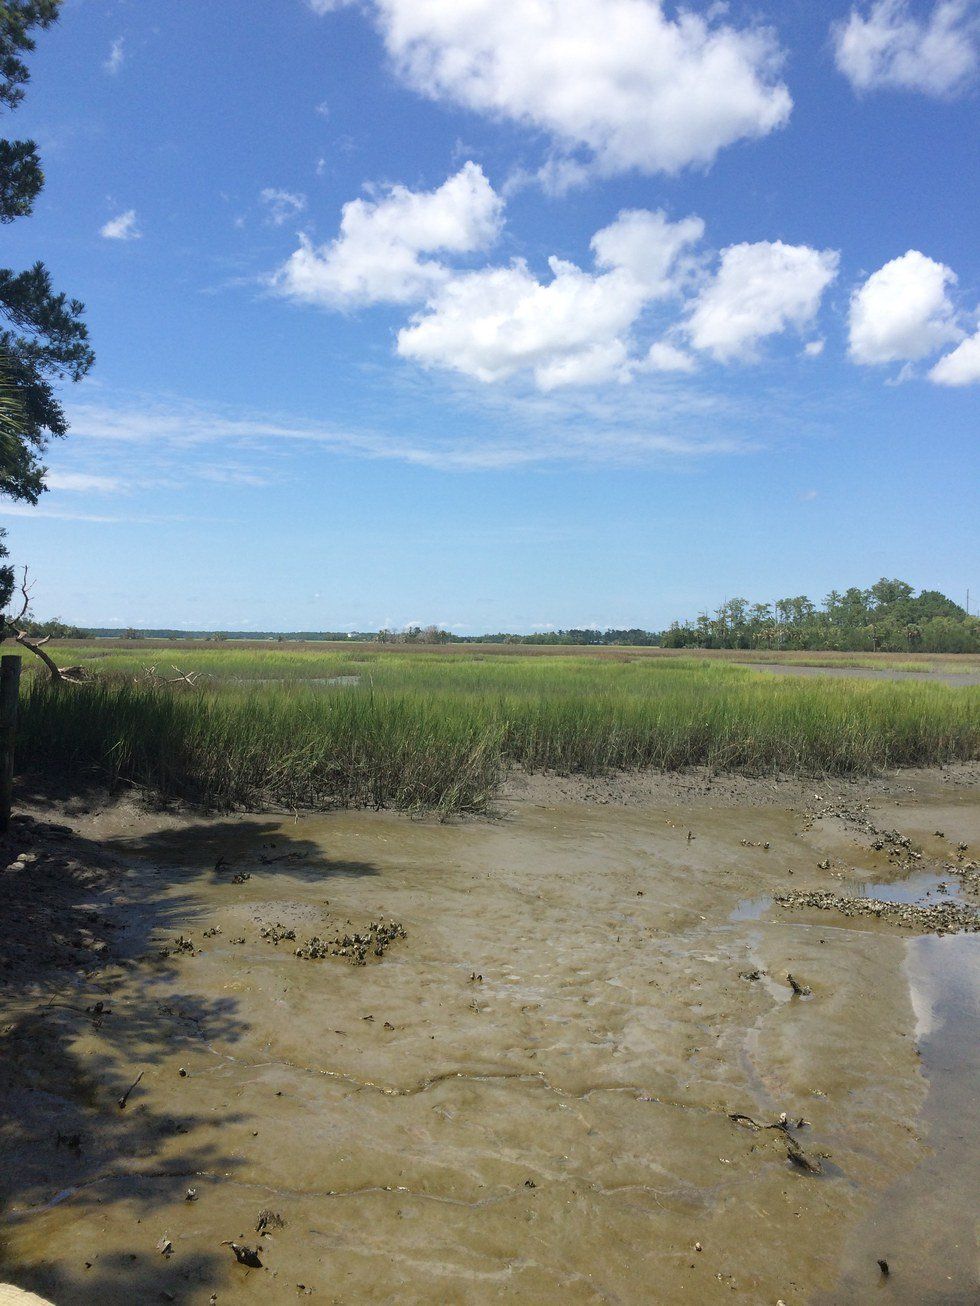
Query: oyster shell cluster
[(377, 939)]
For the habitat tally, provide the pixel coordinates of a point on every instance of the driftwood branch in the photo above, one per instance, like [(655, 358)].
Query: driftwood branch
[(181, 678), (59, 675), (35, 646)]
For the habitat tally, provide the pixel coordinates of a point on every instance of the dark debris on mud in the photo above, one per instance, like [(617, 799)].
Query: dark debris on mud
[(783, 1128)]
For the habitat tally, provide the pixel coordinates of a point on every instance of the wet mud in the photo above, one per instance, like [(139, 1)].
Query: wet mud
[(561, 1059)]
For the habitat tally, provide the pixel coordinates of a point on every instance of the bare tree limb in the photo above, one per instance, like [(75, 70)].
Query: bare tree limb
[(52, 666), (59, 675), (25, 590)]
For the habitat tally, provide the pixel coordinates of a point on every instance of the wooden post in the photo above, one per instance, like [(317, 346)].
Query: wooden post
[(9, 692)]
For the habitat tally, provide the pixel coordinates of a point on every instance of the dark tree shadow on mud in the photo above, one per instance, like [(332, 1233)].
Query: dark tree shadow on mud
[(84, 1010), (224, 848)]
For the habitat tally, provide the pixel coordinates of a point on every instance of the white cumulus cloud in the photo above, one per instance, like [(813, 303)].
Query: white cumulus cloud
[(662, 356), (498, 321), (618, 79), (962, 366), (647, 246), (759, 290), (572, 325), (891, 46), (574, 329), (378, 255), (124, 227), (903, 312)]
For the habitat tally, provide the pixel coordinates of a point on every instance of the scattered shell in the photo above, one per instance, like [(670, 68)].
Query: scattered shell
[(276, 933), (269, 1220), (354, 947), (939, 918), (180, 944)]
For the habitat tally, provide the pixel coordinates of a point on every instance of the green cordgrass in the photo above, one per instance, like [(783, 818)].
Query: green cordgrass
[(420, 730)]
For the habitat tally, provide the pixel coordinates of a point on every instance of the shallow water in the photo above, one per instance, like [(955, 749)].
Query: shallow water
[(960, 676), (920, 888), (925, 1224), (528, 1098)]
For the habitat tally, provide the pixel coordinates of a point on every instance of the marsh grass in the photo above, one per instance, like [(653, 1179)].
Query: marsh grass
[(422, 730)]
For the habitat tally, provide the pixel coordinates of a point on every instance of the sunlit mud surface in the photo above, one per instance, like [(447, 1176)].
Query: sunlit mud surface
[(528, 1097)]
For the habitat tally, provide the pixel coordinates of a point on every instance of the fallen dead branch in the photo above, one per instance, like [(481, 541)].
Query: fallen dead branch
[(191, 678), (59, 675), (125, 1097)]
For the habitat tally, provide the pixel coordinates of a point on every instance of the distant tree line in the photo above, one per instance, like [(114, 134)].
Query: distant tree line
[(53, 629), (889, 617), (574, 635)]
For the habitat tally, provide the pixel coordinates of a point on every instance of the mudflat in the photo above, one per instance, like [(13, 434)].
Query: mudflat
[(554, 1055)]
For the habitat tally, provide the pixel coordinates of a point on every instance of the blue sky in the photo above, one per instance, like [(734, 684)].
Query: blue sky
[(505, 315)]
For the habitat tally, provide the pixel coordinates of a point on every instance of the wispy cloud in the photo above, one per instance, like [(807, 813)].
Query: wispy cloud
[(65, 514), (85, 482), (281, 205), (124, 227), (657, 421), (236, 475), (116, 57)]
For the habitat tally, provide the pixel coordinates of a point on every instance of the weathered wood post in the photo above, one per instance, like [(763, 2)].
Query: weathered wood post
[(9, 693)]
